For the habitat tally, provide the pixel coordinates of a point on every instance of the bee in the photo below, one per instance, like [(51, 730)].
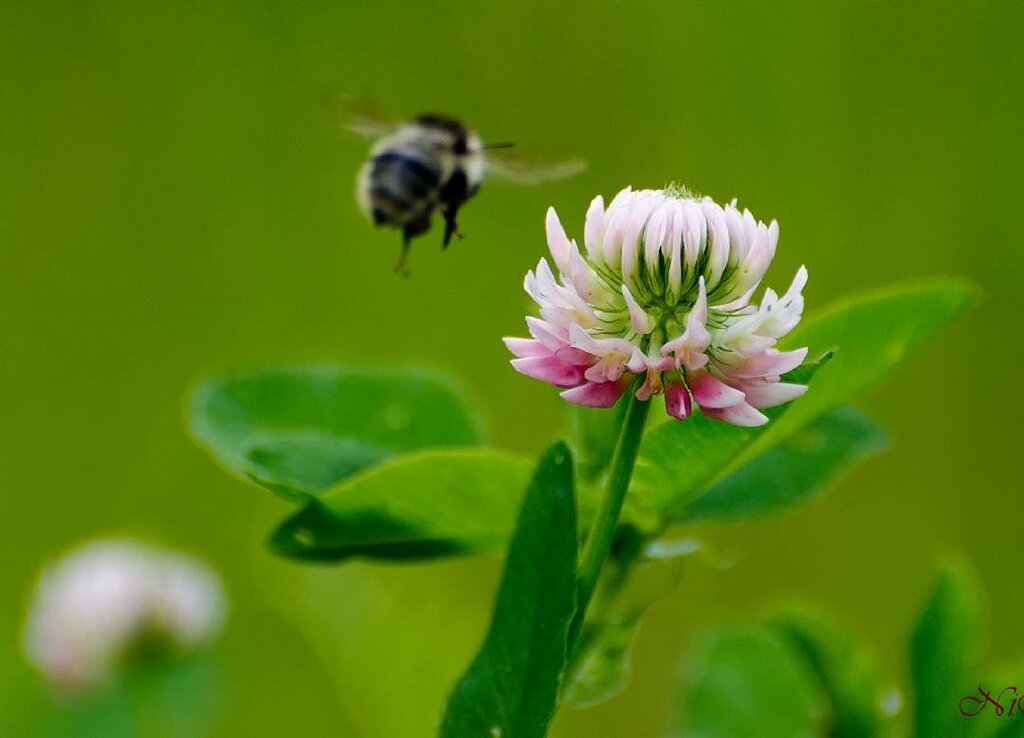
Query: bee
[(431, 164)]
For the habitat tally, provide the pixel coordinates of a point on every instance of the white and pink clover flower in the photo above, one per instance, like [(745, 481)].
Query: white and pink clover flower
[(663, 290), (94, 605)]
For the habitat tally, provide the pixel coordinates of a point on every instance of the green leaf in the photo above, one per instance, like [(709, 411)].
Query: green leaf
[(298, 430), (424, 504), (870, 334), (510, 690), (945, 652), (745, 681), (842, 666), (601, 668), (796, 470), (680, 459)]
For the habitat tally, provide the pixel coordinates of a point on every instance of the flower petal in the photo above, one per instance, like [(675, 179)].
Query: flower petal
[(694, 232), (652, 385), (709, 392), (593, 229), (558, 242), (677, 400), (741, 414), (770, 395), (799, 282), (526, 347), (573, 355), (718, 244), (690, 347), (770, 363), (553, 337), (596, 394), (640, 321), (550, 369), (674, 235)]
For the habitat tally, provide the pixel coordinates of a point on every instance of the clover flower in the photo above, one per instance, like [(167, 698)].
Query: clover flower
[(663, 290), (92, 607)]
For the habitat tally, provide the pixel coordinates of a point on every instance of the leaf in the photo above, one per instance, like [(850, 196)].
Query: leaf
[(680, 459), (870, 334), (842, 666), (424, 504), (298, 430), (510, 690), (796, 470), (602, 667), (603, 670), (745, 682), (945, 652)]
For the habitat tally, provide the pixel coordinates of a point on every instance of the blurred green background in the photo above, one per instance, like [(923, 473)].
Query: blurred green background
[(175, 202)]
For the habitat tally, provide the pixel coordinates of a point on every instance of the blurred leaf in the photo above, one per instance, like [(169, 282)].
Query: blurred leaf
[(746, 682), (510, 690), (425, 504), (107, 715), (177, 695), (162, 696), (798, 469), (872, 334), (1011, 727), (945, 651), (842, 666), (298, 430), (602, 667)]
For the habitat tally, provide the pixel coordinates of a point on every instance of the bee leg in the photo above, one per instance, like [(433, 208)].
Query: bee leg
[(451, 227), (411, 229), (453, 195), (401, 266)]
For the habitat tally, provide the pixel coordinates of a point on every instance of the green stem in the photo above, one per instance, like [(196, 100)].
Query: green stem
[(602, 532)]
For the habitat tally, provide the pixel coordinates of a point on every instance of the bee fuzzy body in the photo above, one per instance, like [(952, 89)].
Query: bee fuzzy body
[(429, 163)]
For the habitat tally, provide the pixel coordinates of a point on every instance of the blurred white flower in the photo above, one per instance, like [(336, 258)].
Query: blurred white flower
[(663, 290), (94, 605)]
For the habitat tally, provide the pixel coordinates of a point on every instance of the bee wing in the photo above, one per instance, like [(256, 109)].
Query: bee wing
[(524, 171), (360, 117)]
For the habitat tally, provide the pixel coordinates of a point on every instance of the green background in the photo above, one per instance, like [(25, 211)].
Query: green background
[(176, 202)]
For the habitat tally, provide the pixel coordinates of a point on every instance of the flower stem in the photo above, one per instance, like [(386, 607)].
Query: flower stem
[(602, 532)]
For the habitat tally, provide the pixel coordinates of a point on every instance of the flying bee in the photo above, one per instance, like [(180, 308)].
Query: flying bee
[(432, 163)]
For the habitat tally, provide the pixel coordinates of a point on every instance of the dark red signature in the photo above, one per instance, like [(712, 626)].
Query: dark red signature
[(1006, 703)]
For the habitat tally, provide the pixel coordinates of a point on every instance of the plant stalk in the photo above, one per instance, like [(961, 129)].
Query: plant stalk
[(602, 532)]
